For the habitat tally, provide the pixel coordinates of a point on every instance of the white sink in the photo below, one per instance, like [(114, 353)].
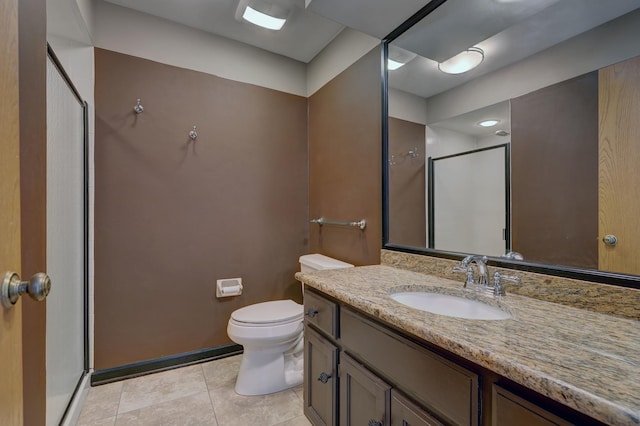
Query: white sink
[(452, 306)]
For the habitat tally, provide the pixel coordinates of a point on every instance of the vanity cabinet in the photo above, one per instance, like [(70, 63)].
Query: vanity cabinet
[(370, 361), (359, 371), (449, 391)]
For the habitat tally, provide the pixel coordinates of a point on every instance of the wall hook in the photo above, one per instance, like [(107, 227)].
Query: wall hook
[(193, 134), (138, 108)]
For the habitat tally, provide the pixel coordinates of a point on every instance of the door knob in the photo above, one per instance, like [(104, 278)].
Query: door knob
[(37, 287), (610, 240)]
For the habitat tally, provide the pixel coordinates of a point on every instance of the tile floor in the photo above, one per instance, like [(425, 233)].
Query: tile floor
[(196, 395)]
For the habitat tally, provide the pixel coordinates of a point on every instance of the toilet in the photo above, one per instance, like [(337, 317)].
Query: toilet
[(272, 336)]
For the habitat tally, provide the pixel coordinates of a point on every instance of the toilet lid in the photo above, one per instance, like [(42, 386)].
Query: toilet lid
[(269, 312)]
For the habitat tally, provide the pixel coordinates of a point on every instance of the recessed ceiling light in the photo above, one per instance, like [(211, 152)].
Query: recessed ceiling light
[(262, 19), (488, 123), (463, 61)]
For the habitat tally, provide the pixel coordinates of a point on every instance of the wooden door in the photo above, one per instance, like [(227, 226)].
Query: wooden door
[(618, 158), (11, 411)]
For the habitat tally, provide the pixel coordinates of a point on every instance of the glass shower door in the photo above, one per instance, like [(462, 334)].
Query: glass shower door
[(65, 348)]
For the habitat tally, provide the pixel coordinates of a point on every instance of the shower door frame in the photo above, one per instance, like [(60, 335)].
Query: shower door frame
[(506, 236), (85, 155)]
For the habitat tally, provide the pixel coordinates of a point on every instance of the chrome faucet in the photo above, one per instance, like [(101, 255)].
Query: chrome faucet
[(481, 265), (481, 284)]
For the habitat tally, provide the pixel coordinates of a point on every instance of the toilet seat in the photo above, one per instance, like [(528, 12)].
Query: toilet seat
[(268, 314)]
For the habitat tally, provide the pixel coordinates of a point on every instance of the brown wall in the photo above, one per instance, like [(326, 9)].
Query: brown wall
[(172, 216), (407, 187), (345, 162), (33, 181), (554, 157)]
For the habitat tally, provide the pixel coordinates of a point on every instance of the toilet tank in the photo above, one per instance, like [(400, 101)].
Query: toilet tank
[(319, 262)]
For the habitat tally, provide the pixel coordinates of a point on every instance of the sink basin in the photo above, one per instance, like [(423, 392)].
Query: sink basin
[(452, 306)]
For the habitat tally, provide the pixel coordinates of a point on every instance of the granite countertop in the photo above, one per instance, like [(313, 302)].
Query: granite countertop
[(586, 360)]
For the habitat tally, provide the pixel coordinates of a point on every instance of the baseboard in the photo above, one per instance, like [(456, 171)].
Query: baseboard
[(165, 363)]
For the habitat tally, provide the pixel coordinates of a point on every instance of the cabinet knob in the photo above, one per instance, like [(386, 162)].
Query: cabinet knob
[(311, 313), (610, 240), (373, 422), (324, 377)]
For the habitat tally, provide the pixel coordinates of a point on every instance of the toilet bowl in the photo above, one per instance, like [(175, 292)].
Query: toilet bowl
[(271, 334)]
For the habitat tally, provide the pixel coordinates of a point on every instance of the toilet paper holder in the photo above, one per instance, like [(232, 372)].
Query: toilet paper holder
[(229, 287)]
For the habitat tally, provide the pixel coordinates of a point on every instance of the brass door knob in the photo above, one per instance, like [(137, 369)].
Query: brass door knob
[(38, 287)]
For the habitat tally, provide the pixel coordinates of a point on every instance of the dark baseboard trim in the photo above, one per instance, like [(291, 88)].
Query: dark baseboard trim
[(129, 371)]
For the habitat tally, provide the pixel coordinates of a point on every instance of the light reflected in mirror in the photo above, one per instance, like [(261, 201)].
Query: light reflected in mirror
[(556, 174)]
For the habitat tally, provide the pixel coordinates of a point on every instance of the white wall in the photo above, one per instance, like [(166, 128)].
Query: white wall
[(349, 46), (407, 106), (441, 142)]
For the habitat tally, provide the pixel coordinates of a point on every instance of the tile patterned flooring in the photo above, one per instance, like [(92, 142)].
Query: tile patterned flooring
[(200, 394)]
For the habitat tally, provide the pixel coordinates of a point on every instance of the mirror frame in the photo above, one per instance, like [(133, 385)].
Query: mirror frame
[(591, 275)]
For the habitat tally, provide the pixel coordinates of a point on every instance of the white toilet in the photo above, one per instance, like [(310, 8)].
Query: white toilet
[(272, 336)]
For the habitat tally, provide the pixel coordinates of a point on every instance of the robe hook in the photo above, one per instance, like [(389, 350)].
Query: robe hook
[(193, 134), (138, 108)]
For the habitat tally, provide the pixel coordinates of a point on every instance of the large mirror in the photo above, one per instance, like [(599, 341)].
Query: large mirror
[(514, 126)]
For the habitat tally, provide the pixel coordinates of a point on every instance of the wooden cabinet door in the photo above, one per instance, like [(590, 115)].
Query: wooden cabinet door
[(509, 409), (406, 413), (320, 379), (364, 397)]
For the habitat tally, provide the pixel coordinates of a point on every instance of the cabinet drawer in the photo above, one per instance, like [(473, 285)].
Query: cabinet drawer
[(322, 313), (510, 409), (449, 391)]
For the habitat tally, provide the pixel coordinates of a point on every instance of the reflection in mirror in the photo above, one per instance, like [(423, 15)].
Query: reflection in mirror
[(534, 148)]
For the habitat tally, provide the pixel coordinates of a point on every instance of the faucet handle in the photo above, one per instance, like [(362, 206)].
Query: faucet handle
[(498, 278), (467, 270)]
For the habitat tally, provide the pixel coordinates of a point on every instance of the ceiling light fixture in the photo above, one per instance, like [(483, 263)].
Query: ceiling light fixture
[(463, 61), (262, 19), (393, 65), (398, 57), (488, 123)]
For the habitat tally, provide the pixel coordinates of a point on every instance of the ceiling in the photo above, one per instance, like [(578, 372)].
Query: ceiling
[(311, 25), (506, 30), (468, 123)]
